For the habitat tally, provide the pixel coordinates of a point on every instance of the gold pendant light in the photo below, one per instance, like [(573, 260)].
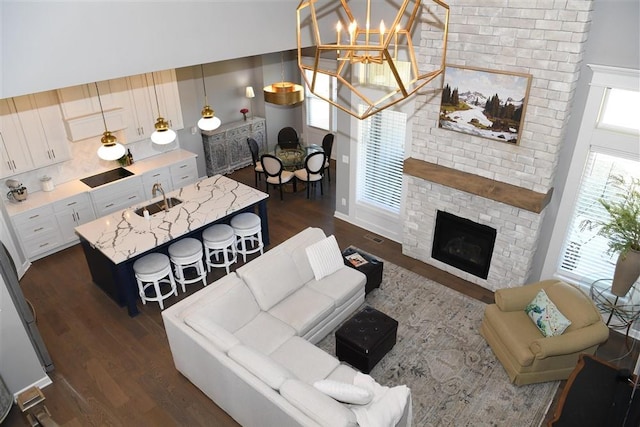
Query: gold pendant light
[(163, 134), (208, 121), (110, 149), (283, 93)]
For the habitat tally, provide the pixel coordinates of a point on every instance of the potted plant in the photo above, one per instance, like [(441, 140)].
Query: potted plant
[(623, 231)]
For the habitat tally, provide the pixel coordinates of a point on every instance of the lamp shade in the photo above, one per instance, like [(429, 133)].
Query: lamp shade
[(209, 123), (163, 133), (249, 93), (110, 148), (284, 93)]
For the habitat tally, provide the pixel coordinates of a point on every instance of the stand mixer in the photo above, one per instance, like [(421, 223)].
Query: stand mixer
[(18, 192)]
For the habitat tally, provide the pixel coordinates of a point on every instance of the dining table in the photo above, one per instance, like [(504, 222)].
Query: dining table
[(293, 158)]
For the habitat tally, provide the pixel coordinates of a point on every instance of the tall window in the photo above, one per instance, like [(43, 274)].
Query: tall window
[(319, 113), (584, 256), (380, 159)]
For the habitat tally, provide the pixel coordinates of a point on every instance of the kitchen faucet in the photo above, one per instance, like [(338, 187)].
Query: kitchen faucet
[(158, 187)]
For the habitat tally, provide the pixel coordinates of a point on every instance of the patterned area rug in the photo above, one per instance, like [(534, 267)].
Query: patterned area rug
[(454, 377)]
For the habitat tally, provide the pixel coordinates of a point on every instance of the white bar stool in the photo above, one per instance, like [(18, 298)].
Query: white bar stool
[(219, 240), (150, 271), (248, 230), (187, 253)]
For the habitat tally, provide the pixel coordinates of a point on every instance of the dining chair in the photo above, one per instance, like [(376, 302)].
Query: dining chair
[(327, 146), (255, 158), (312, 172), (288, 138), (275, 173)]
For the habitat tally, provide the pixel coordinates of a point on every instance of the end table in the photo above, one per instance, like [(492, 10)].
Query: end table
[(625, 312), (371, 267)]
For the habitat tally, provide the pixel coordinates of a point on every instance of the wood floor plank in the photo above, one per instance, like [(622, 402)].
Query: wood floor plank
[(115, 370)]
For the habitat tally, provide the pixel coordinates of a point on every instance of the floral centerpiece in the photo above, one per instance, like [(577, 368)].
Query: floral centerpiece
[(244, 112)]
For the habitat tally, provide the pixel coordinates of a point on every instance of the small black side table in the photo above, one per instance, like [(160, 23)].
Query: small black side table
[(372, 268)]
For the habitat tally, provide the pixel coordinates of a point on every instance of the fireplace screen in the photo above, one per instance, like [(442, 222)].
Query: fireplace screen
[(463, 244)]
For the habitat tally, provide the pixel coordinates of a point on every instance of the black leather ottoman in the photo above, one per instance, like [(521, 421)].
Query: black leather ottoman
[(372, 268), (363, 340)]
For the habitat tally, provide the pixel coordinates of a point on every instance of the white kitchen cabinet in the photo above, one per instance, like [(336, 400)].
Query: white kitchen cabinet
[(37, 230), (72, 212), (15, 157), (226, 148), (43, 128), (162, 176), (143, 112), (168, 97), (82, 100), (184, 173), (117, 195)]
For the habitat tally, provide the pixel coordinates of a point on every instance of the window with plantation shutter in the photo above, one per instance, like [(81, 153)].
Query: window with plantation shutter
[(585, 256), (381, 140)]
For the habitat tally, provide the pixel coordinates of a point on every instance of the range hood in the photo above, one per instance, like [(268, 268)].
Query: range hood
[(91, 125)]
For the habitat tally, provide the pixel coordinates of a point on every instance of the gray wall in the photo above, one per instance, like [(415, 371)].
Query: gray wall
[(50, 45), (614, 40)]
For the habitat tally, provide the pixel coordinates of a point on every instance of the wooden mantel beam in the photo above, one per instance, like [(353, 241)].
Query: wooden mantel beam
[(480, 186)]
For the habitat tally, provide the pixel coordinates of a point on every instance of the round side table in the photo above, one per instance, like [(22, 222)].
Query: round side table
[(625, 312)]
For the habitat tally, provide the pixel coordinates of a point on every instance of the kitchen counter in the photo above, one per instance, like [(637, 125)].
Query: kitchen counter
[(124, 234), (64, 190), (114, 242)]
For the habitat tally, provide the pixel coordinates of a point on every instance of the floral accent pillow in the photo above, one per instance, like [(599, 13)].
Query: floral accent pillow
[(546, 316)]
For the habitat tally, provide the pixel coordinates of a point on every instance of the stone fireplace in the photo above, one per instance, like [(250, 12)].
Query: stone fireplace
[(496, 184)]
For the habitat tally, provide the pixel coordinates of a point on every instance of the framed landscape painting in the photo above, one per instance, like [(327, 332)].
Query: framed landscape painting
[(485, 103)]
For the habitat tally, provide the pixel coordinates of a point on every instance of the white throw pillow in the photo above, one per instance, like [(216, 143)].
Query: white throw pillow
[(546, 316), (325, 257), (343, 392)]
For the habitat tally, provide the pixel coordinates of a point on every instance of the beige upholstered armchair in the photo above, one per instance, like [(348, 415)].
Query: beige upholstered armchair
[(528, 356)]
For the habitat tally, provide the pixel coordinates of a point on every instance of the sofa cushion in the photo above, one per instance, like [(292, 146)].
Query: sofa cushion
[(271, 277), (260, 365), (341, 286), (306, 361), (206, 295), (296, 248), (546, 316), (205, 326), (223, 310), (325, 257), (303, 309), (516, 331), (344, 392), (264, 333), (317, 406), (343, 373)]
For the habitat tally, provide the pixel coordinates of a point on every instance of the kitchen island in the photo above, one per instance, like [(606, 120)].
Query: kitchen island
[(114, 242)]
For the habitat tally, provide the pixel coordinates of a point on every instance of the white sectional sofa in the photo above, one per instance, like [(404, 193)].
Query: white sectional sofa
[(246, 341)]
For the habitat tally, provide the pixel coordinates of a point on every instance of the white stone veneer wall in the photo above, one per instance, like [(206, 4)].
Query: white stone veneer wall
[(544, 38)]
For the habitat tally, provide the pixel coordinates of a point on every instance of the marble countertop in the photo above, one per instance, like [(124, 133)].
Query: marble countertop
[(124, 234), (72, 188)]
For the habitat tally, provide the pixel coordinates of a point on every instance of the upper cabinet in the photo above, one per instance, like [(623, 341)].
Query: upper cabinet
[(14, 153), (32, 133), (129, 103), (43, 128)]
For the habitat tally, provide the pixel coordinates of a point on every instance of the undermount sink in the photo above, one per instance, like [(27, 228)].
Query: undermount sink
[(158, 206)]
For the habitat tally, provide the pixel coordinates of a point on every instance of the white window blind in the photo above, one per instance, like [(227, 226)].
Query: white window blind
[(380, 159), (585, 256)]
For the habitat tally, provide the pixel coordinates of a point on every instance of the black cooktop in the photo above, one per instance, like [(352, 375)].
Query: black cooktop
[(106, 177)]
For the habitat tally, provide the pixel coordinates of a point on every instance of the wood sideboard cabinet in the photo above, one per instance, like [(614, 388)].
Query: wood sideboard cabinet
[(226, 148)]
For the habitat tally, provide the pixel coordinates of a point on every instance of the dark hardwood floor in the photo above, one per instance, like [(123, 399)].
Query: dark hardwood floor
[(111, 369)]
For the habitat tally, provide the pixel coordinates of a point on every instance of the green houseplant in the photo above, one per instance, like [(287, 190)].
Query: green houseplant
[(623, 231)]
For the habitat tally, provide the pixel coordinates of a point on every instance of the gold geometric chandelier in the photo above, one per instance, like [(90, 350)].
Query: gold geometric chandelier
[(375, 67)]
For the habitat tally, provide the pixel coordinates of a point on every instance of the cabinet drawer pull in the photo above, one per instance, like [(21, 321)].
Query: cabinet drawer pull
[(132, 197), (183, 166), (34, 216), (53, 153), (156, 174), (44, 244), (184, 177), (71, 204), (109, 205), (38, 229)]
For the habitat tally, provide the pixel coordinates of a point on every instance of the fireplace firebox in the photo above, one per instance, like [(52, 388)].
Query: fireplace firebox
[(463, 244)]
